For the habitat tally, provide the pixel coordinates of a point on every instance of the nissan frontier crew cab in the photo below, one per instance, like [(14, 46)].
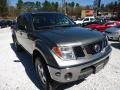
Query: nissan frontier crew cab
[(61, 51)]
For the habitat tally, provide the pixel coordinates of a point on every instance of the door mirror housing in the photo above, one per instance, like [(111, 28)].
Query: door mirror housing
[(22, 27)]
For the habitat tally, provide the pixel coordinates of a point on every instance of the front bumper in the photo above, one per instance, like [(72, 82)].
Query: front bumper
[(75, 73)]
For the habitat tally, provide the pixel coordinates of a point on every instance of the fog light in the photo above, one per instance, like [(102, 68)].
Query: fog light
[(68, 76), (57, 73)]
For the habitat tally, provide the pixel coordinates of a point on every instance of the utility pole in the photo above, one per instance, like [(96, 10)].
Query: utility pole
[(96, 5), (64, 7)]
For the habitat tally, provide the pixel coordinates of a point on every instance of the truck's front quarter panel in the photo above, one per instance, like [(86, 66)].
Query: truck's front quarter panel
[(45, 51), (72, 70)]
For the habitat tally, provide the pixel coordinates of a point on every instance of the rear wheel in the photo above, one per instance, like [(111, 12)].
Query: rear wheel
[(43, 74)]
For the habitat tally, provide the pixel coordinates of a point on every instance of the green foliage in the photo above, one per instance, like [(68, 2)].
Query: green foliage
[(77, 5), (19, 6), (72, 4), (38, 5), (29, 7), (3, 8)]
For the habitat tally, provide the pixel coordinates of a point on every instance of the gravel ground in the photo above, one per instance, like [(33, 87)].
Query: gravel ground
[(16, 71)]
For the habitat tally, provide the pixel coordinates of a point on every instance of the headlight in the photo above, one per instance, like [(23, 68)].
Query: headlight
[(64, 52)]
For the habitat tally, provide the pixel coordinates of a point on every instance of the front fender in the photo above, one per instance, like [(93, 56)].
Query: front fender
[(45, 51)]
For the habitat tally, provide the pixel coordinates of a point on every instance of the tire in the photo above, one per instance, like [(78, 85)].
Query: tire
[(43, 74), (18, 48)]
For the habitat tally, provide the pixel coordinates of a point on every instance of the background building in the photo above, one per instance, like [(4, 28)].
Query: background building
[(87, 12)]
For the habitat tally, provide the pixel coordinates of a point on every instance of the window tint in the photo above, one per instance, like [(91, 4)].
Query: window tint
[(21, 22), (52, 19), (86, 19), (92, 19)]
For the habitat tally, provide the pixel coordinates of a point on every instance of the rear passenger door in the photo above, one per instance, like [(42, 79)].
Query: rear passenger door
[(23, 32), (20, 29), (26, 34)]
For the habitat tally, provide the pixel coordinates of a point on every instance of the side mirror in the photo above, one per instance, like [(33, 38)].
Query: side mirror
[(21, 27)]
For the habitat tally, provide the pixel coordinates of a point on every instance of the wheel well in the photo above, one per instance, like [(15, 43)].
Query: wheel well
[(35, 54), (13, 37)]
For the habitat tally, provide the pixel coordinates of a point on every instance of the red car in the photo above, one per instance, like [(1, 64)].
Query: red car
[(103, 26)]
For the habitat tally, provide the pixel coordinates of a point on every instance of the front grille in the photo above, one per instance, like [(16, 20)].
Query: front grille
[(78, 51), (91, 48)]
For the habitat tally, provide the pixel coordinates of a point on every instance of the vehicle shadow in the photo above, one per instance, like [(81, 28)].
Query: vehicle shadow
[(25, 59), (115, 45)]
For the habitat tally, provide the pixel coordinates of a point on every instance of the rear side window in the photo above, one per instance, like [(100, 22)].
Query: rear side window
[(86, 19), (21, 23), (92, 19)]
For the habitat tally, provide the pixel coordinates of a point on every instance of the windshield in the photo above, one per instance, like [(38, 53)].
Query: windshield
[(50, 20), (100, 21)]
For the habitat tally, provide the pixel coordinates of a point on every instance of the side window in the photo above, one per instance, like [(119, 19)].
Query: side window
[(92, 19), (21, 23), (86, 19)]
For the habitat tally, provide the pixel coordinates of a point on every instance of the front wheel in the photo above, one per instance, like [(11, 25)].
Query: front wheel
[(42, 73)]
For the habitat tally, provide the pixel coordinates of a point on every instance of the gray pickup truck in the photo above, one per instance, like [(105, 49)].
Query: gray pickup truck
[(61, 50)]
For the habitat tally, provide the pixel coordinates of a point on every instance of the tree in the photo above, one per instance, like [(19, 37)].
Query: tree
[(38, 5), (46, 6), (72, 4), (3, 8), (56, 6), (12, 11), (29, 7), (77, 10), (19, 6), (77, 5)]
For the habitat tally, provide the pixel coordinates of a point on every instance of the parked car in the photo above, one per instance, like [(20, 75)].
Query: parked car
[(9, 22), (61, 51), (13, 24), (117, 23), (84, 20), (102, 26), (96, 21), (113, 33), (3, 24)]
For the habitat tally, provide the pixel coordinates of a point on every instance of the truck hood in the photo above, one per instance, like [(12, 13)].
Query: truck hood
[(71, 35)]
